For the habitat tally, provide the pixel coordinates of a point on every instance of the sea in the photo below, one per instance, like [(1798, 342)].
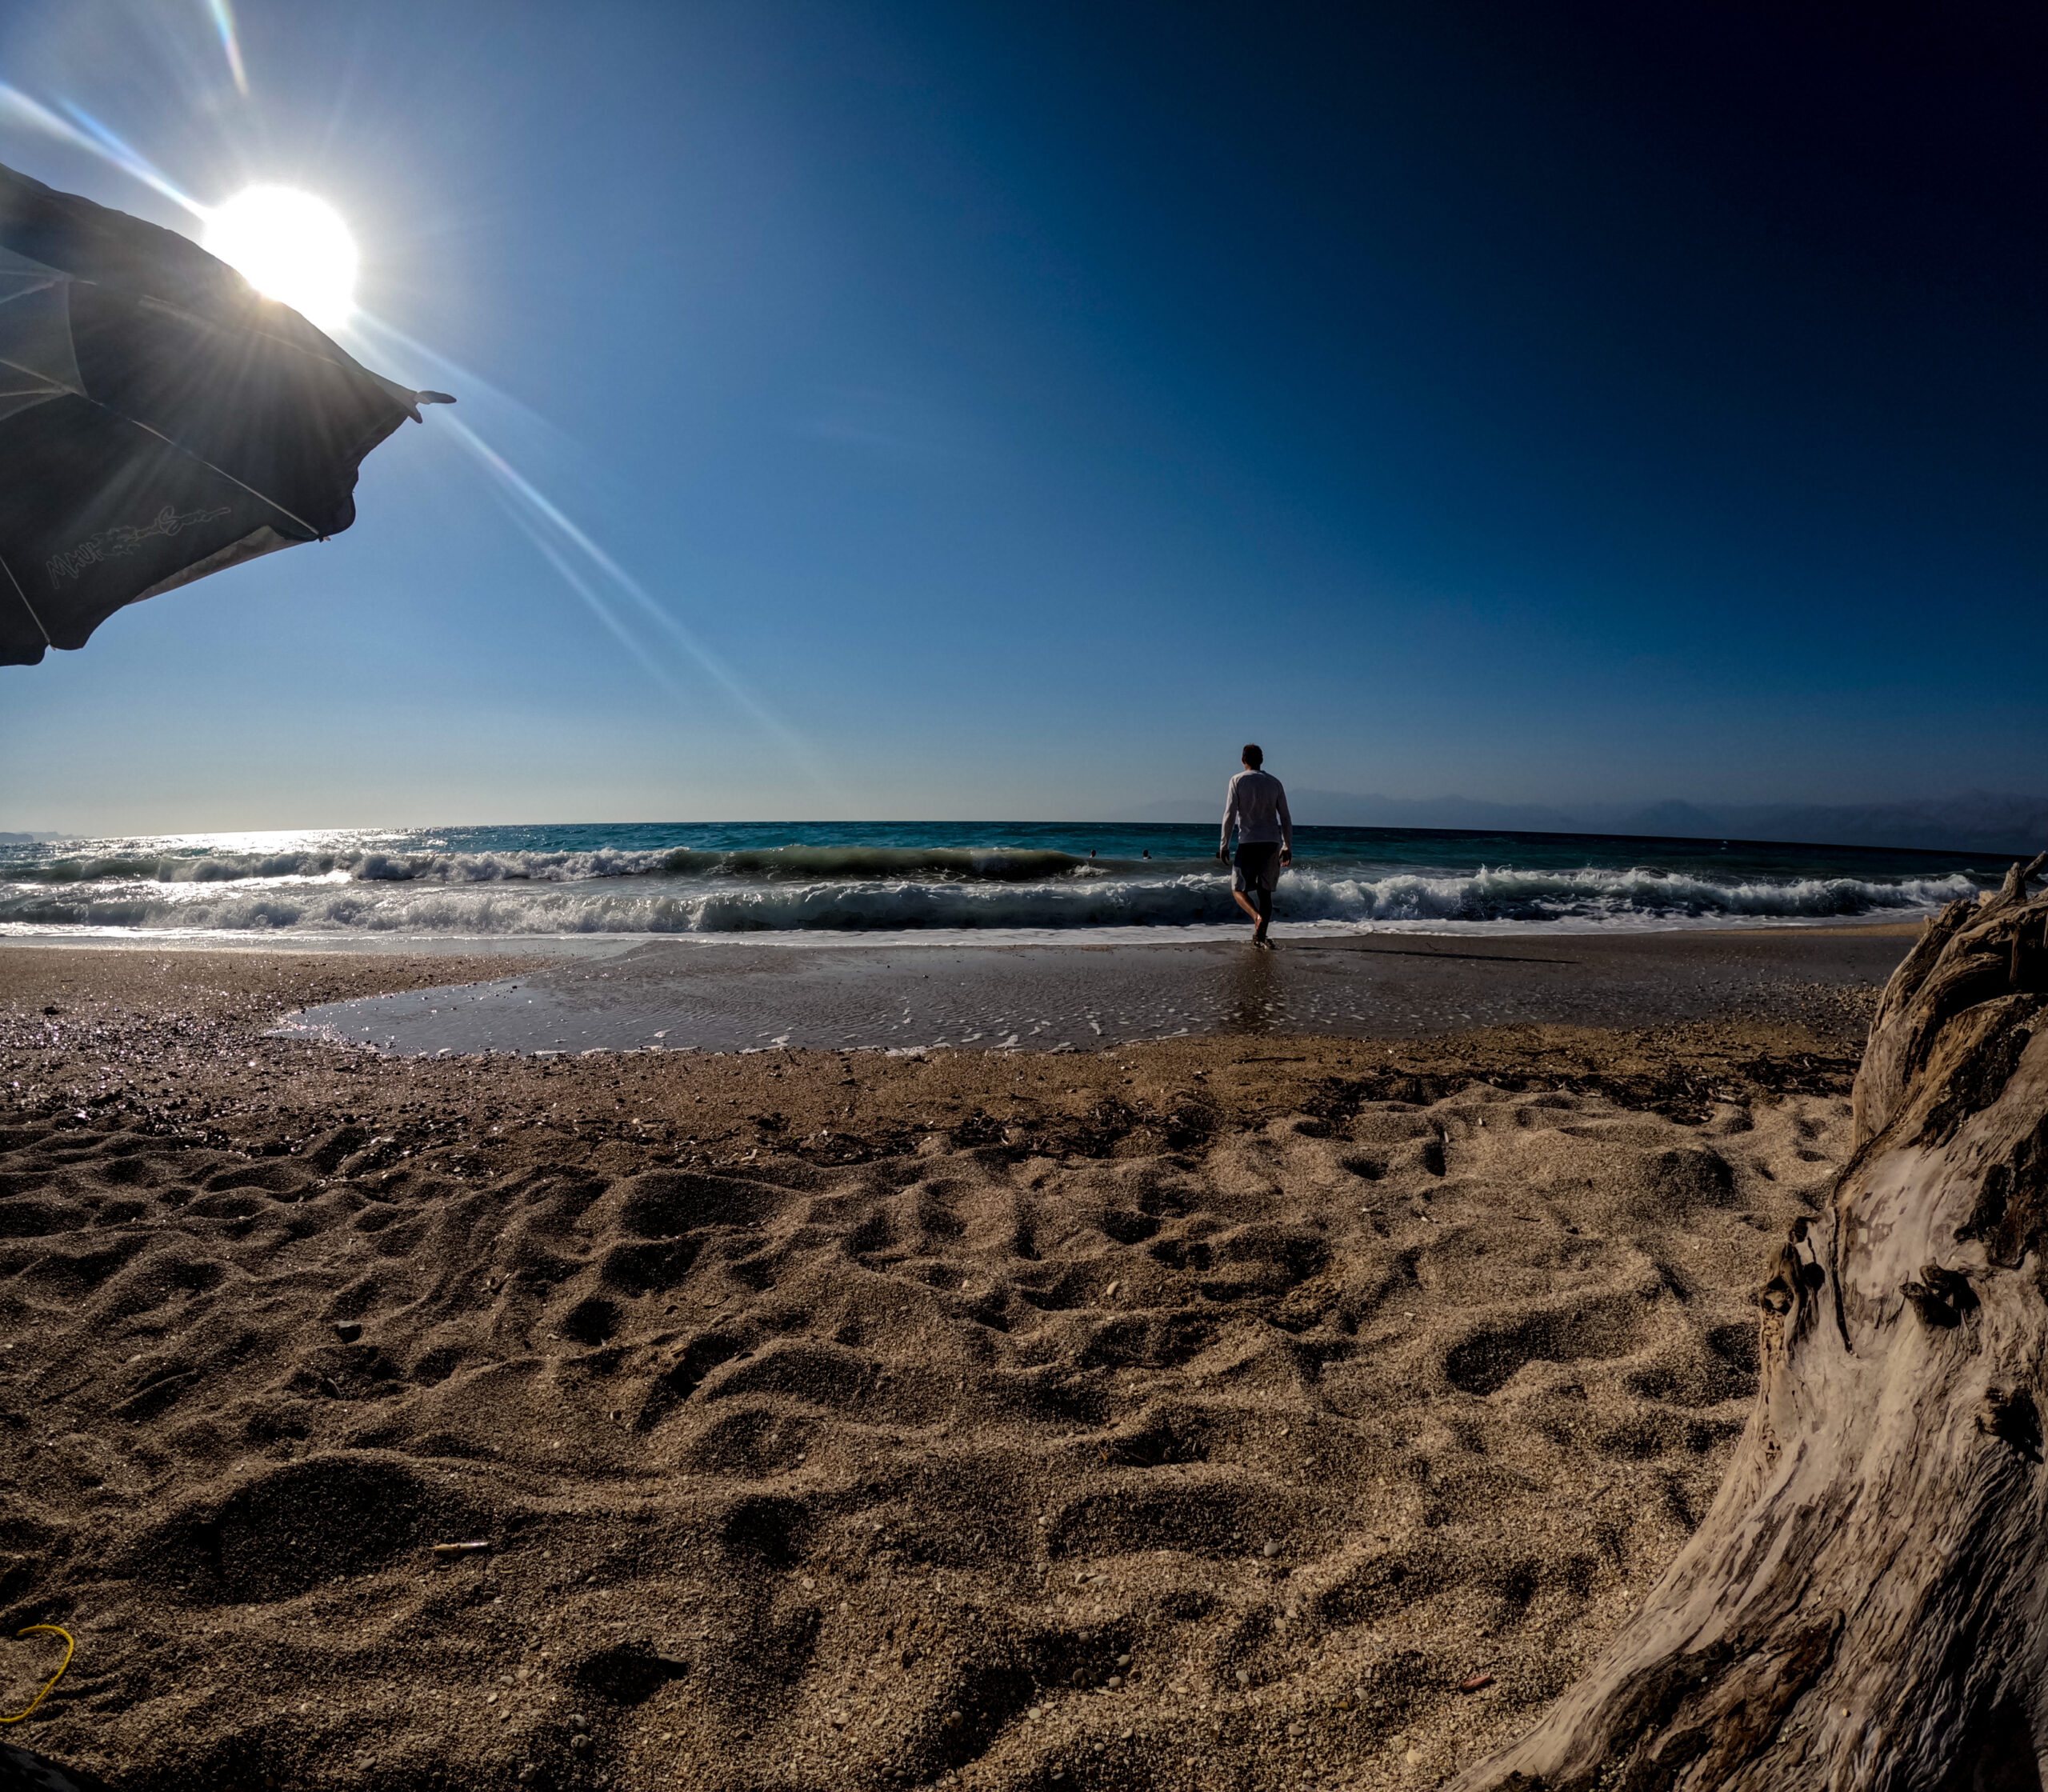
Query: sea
[(979, 880)]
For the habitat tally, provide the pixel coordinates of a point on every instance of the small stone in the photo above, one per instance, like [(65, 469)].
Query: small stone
[(1298, 1729), (1414, 1758), (348, 1330), (1116, 1680), (1123, 1660), (577, 1721), (1035, 1713), (1270, 1550), (1244, 1679)]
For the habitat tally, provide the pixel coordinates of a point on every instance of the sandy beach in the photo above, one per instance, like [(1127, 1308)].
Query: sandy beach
[(1261, 1408)]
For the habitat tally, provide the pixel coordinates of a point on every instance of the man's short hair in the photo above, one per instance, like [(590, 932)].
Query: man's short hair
[(1254, 757)]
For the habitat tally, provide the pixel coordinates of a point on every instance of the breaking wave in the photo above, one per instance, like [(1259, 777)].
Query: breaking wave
[(865, 889), (775, 864)]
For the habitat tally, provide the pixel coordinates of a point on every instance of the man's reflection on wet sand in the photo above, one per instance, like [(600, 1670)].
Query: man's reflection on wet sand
[(1250, 993)]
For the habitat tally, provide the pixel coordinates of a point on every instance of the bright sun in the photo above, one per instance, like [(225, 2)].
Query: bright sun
[(291, 246)]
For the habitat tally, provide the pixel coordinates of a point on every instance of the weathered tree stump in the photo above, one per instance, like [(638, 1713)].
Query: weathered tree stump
[(1866, 1604)]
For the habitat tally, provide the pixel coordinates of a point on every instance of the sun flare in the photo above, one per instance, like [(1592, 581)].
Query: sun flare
[(291, 246)]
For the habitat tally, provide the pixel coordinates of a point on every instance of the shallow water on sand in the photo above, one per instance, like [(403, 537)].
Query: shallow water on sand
[(905, 997)]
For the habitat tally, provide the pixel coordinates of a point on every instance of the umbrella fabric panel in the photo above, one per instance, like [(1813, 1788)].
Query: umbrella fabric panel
[(96, 513), (95, 242), (287, 424), (37, 362)]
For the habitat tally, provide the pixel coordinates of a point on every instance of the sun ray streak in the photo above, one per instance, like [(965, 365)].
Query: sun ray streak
[(126, 156), (230, 43), (380, 337), (538, 505), (581, 587), (88, 134)]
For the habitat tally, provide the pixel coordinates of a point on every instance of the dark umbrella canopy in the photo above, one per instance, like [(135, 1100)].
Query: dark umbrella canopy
[(159, 420)]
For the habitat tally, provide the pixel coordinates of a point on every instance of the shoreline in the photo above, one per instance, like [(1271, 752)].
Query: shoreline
[(377, 944), (167, 1049), (667, 996)]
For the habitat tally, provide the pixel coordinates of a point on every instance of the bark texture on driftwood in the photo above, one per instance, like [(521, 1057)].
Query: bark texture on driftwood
[(1866, 1606)]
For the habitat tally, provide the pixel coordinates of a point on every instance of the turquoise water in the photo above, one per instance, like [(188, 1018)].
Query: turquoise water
[(872, 876)]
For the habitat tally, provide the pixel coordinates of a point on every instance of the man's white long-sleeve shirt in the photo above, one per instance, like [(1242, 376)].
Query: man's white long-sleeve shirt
[(1257, 807)]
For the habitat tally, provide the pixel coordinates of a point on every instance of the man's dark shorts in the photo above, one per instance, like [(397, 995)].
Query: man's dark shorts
[(1258, 867)]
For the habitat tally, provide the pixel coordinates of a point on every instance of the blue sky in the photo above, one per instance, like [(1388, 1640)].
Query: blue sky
[(1004, 411)]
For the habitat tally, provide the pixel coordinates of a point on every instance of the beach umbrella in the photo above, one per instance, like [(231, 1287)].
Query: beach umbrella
[(160, 419)]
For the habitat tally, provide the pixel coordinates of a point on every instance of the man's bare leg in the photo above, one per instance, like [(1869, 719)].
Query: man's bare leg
[(1244, 902)]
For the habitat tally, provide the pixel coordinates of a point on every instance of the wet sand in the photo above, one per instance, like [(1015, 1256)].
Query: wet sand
[(722, 996), (1209, 1412)]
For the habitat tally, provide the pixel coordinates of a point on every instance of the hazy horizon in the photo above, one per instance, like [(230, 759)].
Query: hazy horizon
[(1967, 819)]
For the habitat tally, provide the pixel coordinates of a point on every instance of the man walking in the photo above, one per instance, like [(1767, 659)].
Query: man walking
[(1257, 808)]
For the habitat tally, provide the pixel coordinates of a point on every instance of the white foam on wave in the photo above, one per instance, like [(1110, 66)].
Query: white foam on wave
[(131, 863), (298, 901)]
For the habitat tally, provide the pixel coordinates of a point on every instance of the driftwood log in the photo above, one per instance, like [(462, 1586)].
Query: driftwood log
[(1866, 1604)]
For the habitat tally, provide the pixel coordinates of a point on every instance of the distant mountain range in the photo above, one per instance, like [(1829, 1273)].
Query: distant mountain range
[(1972, 821), (26, 839)]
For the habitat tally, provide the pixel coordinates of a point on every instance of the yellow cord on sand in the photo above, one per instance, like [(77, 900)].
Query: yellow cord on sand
[(68, 1646)]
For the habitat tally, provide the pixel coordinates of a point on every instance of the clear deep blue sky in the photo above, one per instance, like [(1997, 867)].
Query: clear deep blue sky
[(1024, 405)]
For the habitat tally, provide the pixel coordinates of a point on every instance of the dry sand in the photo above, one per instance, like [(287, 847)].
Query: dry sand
[(1206, 1414)]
